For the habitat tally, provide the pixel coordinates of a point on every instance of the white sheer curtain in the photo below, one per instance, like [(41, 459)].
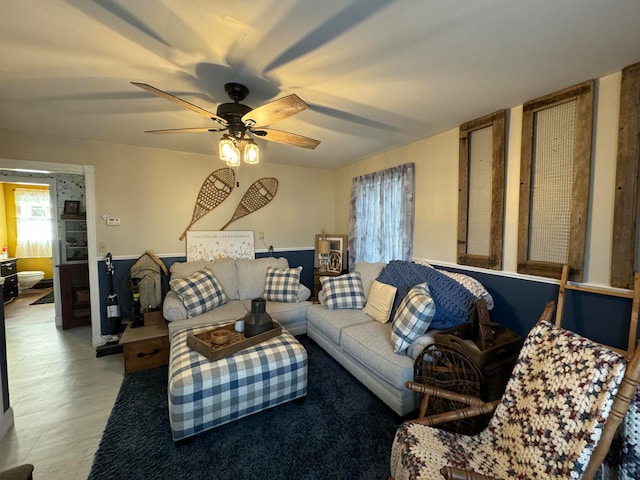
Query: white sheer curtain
[(33, 223), (382, 213)]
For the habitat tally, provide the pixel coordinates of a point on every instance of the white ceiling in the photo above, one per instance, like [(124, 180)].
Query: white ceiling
[(376, 74)]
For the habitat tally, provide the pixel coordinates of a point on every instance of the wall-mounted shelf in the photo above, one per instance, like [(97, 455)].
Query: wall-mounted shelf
[(74, 246)]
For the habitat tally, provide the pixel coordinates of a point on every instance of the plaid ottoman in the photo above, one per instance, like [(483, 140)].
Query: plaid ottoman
[(204, 394)]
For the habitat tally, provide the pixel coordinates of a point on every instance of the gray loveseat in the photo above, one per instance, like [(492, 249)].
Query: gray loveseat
[(242, 280)]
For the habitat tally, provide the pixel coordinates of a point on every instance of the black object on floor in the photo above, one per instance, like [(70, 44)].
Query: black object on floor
[(108, 348), (48, 298), (341, 431), (44, 283)]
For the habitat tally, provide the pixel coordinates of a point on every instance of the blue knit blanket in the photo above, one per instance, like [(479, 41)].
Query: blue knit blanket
[(453, 301)]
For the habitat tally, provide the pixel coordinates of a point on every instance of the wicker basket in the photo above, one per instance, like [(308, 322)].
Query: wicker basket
[(445, 367)]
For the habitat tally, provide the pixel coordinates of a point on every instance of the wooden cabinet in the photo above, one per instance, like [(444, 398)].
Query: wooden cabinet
[(74, 293), (9, 271)]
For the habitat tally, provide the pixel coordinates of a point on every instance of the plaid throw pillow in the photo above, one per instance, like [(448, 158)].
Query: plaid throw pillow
[(281, 285), (413, 317), (344, 291), (199, 292)]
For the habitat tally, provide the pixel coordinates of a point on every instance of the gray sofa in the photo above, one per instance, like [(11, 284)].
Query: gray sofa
[(363, 346), (242, 280)]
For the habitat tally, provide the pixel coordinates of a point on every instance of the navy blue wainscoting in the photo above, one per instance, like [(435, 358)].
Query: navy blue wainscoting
[(296, 258), (121, 279), (519, 303)]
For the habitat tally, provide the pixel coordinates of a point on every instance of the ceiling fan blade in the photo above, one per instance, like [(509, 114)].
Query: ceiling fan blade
[(187, 130), (286, 138), (273, 111), (182, 103)]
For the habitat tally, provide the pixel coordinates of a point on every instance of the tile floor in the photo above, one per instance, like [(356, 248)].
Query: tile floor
[(60, 392)]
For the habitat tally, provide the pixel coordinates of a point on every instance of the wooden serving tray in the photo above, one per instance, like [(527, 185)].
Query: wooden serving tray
[(201, 342)]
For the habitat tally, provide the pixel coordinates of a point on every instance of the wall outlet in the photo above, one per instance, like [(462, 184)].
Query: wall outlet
[(113, 221), (260, 235)]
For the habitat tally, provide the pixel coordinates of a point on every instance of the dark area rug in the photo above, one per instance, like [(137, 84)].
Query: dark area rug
[(341, 431), (48, 298)]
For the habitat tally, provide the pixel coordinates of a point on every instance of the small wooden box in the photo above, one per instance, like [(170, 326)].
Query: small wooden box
[(154, 318), (145, 347)]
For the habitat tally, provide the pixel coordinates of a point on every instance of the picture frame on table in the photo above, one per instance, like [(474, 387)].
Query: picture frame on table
[(338, 251)]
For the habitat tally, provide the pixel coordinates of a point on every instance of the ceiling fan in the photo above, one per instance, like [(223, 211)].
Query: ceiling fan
[(241, 120)]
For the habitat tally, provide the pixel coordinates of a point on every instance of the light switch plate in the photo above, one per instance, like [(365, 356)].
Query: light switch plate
[(113, 221)]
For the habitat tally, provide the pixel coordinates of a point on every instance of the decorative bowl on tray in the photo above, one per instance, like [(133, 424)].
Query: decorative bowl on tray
[(220, 337)]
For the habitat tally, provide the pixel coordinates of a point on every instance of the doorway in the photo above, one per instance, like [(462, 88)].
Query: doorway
[(31, 187), (41, 171)]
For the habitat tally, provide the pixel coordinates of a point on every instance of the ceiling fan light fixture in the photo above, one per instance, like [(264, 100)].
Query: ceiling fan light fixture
[(235, 160), (251, 153), (228, 151)]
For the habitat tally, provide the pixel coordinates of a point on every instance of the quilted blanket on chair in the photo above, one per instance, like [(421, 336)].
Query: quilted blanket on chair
[(453, 301)]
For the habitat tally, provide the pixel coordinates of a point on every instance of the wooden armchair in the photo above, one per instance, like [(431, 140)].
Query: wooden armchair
[(564, 401)]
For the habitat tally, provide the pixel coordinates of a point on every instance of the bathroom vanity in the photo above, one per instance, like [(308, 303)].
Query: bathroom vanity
[(9, 272)]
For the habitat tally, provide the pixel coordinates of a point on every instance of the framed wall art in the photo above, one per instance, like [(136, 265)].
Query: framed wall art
[(71, 207), (209, 245)]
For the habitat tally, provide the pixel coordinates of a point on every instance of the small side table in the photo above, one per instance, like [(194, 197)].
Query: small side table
[(317, 273), (145, 347)]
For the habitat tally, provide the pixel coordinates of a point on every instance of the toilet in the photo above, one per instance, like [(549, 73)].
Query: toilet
[(29, 278)]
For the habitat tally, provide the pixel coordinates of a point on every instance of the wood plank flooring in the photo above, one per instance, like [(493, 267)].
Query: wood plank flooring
[(60, 392)]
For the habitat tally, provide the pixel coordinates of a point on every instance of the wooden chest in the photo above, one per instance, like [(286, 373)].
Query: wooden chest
[(145, 347)]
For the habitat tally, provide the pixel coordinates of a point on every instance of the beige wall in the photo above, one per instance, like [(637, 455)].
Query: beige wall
[(436, 160), (153, 192)]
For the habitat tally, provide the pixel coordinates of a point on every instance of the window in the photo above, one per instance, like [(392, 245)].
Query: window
[(554, 182), (382, 211), (33, 223), (625, 257), (481, 191)]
